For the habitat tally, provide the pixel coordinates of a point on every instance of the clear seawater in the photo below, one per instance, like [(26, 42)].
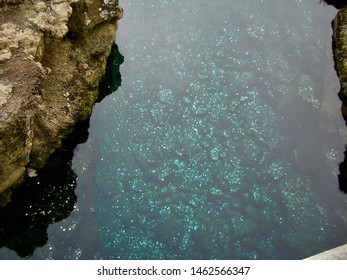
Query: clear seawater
[(222, 142)]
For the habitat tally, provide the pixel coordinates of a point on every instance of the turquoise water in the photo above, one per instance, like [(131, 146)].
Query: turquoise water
[(223, 141)]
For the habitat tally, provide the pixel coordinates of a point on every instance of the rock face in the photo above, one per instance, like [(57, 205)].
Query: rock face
[(339, 25), (52, 56), (340, 47)]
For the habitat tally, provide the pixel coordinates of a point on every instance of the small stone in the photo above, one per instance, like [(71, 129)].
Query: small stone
[(5, 54), (5, 92), (32, 172)]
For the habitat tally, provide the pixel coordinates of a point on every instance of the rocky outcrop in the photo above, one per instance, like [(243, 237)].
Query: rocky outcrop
[(339, 25), (340, 50), (52, 56)]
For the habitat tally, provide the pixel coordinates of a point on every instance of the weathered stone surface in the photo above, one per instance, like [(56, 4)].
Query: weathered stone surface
[(11, 1), (13, 38), (340, 48), (90, 13), (51, 62)]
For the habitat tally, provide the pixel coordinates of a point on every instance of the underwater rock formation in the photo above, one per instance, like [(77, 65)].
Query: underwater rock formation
[(196, 156), (52, 55)]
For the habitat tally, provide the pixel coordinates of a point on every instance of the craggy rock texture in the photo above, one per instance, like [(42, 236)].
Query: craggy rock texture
[(52, 55), (340, 55), (340, 50), (339, 25)]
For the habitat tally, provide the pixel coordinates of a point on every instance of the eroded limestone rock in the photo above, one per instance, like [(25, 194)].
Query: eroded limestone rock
[(90, 13), (13, 38), (5, 93), (52, 55), (340, 47)]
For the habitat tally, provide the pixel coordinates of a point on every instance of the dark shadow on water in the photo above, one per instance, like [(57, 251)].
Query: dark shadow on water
[(39, 202), (343, 174), (50, 197), (338, 4), (342, 177), (112, 79)]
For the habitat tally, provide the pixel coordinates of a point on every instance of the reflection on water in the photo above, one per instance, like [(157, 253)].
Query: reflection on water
[(222, 143), (343, 175), (41, 201)]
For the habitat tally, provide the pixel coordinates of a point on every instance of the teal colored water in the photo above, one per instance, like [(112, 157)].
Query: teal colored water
[(223, 141)]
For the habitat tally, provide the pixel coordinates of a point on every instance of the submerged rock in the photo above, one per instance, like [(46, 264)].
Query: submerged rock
[(195, 151), (51, 62)]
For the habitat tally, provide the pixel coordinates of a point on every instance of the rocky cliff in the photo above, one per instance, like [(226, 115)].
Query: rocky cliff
[(339, 26), (52, 56), (340, 53)]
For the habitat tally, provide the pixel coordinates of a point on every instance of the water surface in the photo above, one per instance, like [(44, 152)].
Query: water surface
[(220, 142), (223, 141)]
